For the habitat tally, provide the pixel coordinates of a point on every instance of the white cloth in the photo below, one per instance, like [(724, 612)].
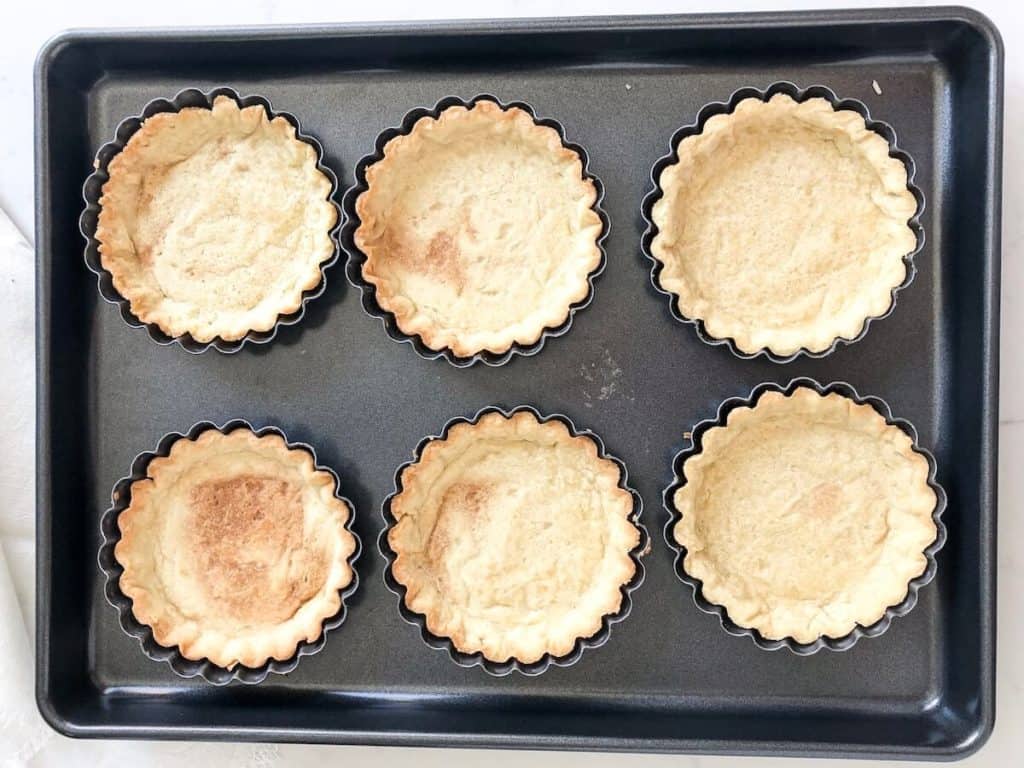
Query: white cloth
[(21, 730)]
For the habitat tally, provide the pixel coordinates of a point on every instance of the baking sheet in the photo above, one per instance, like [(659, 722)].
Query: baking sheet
[(669, 679)]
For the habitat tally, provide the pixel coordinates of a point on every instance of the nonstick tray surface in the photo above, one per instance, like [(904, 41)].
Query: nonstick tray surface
[(669, 678)]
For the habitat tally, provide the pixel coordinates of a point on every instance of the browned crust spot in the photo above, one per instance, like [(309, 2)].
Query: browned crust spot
[(239, 528), (240, 566)]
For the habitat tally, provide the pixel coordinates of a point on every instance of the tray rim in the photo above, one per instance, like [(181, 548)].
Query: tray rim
[(523, 25), (981, 728)]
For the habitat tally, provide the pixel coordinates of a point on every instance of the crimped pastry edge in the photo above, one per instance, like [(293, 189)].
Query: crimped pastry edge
[(720, 421), (655, 195), (341, 582), (390, 306), (566, 653), (89, 224)]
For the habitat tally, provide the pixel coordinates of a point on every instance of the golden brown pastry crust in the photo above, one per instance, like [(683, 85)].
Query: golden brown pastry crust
[(783, 225), (234, 548), (215, 221), (478, 229), (805, 515), (513, 537)]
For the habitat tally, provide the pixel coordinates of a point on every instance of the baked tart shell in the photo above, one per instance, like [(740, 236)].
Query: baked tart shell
[(573, 648), (89, 222), (885, 420), (746, 348), (111, 529), (365, 279)]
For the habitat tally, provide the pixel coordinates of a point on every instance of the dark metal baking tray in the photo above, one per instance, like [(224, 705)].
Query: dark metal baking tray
[(670, 679)]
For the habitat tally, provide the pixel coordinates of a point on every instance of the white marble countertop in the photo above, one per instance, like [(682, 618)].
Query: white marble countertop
[(29, 24)]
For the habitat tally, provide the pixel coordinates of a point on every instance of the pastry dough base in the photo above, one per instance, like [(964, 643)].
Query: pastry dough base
[(513, 537), (783, 225), (805, 515), (479, 229), (234, 548), (215, 221)]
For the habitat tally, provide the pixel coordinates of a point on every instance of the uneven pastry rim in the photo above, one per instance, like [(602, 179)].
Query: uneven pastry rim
[(143, 633), (500, 669), (92, 190), (695, 447), (711, 109), (357, 258)]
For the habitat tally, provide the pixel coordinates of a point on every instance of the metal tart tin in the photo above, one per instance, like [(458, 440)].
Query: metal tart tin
[(206, 669), (800, 95), (499, 669), (92, 190), (833, 644), (356, 258)]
